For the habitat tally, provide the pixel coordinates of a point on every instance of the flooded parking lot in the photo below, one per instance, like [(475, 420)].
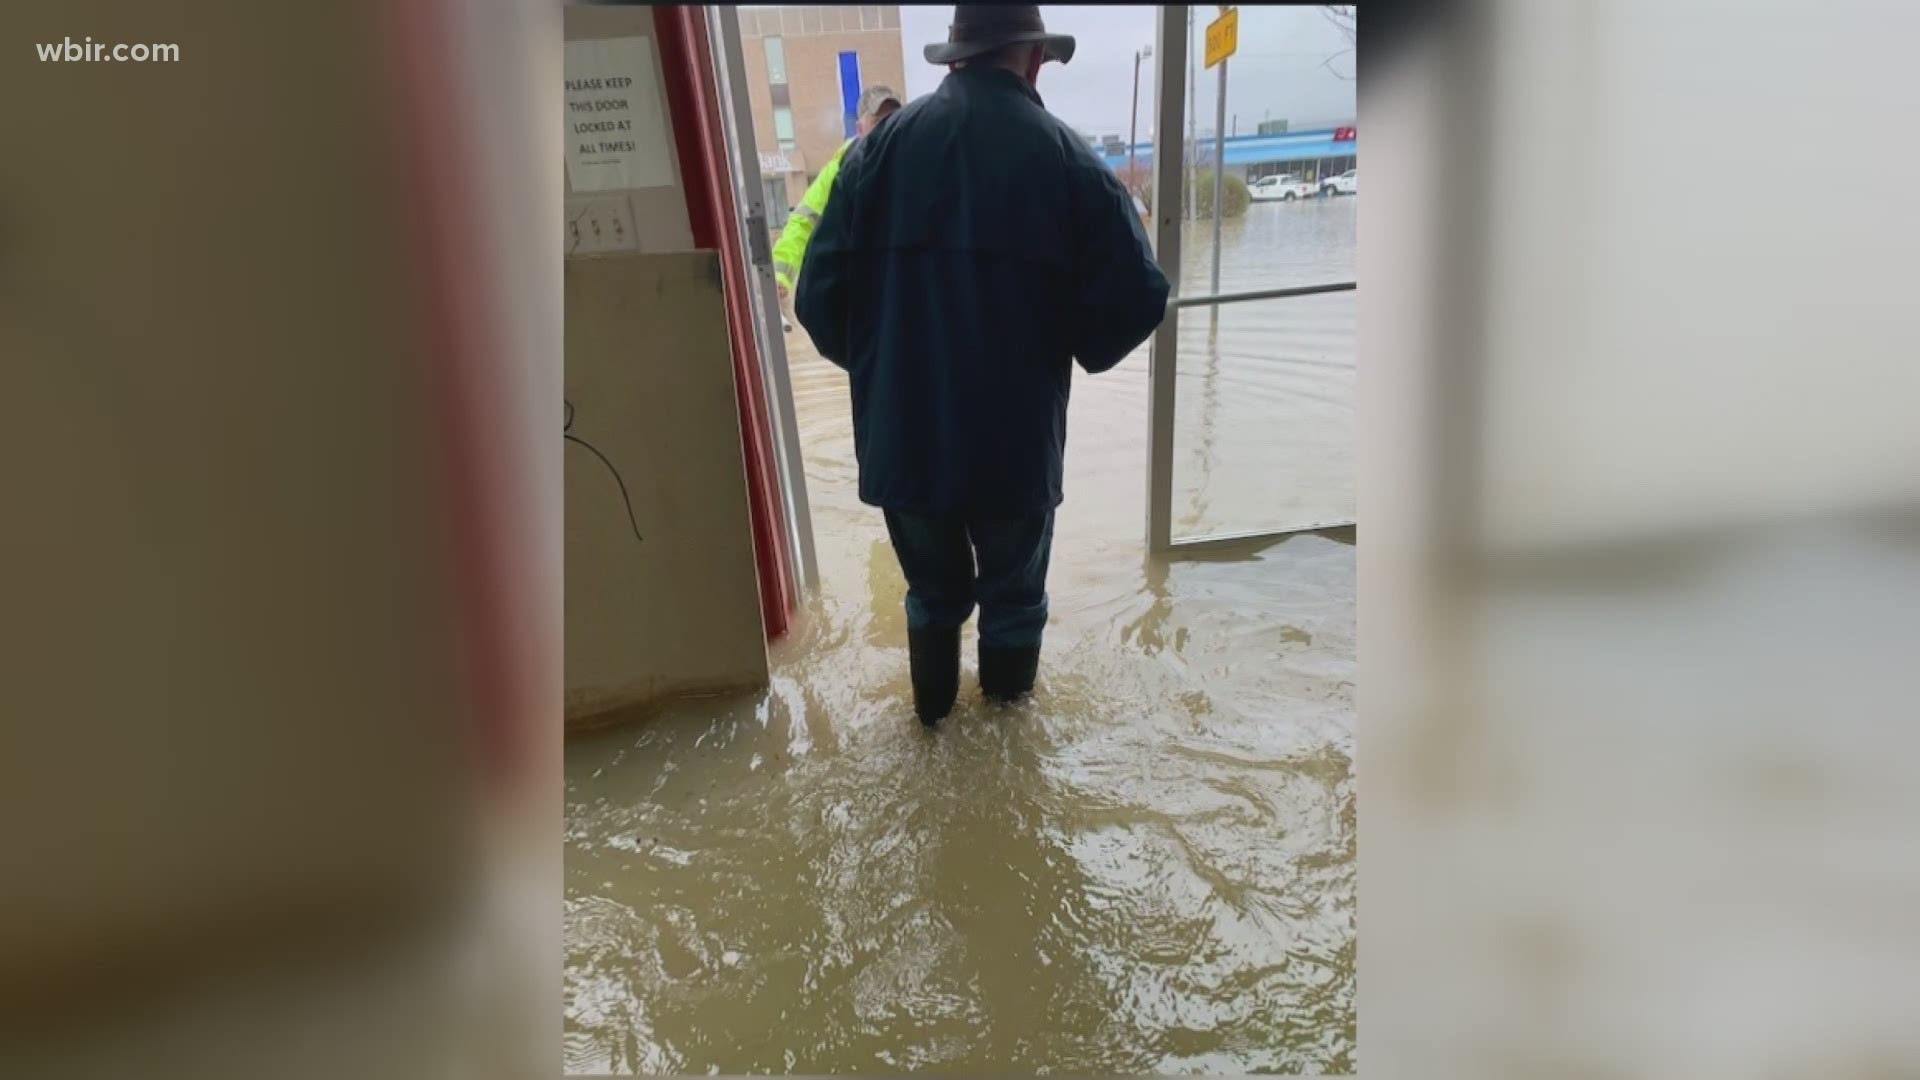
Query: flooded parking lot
[(1149, 867)]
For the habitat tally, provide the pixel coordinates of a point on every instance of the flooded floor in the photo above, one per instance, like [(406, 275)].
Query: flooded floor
[(1148, 867)]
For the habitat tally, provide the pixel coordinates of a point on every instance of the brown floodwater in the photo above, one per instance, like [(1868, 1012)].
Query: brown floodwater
[(1148, 867)]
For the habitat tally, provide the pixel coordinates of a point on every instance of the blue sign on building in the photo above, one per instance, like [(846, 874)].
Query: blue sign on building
[(849, 89)]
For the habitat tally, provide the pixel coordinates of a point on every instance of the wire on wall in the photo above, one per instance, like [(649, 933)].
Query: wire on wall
[(566, 429)]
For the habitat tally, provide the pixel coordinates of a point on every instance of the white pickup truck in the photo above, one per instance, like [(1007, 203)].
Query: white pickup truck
[(1347, 183), (1280, 189)]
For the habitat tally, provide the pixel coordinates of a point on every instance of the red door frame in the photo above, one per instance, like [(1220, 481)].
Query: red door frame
[(693, 107)]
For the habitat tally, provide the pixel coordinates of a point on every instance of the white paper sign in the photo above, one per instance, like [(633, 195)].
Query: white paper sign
[(616, 130)]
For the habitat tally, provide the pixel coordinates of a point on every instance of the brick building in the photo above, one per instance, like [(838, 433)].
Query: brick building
[(801, 63)]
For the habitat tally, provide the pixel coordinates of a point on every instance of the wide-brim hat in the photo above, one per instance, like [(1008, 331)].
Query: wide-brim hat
[(982, 28)]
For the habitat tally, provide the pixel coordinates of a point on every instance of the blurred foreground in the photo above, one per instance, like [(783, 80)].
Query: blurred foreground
[(1639, 473), (280, 571), (1637, 464)]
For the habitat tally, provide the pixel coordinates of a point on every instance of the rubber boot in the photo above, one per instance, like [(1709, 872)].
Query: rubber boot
[(1006, 675), (934, 657)]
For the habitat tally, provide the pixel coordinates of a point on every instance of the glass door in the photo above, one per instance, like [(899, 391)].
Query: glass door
[(758, 220), (1251, 415)]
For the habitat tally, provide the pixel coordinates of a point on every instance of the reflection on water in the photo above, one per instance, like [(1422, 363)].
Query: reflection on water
[(1147, 868), (1264, 403), (1274, 244), (1264, 417)]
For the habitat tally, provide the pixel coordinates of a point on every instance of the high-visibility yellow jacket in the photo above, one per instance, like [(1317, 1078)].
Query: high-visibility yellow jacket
[(791, 249)]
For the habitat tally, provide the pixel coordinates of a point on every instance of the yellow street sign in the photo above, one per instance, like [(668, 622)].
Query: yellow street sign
[(1223, 36)]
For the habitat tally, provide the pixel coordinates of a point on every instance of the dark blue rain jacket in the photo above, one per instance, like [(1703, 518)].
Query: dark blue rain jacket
[(974, 247)]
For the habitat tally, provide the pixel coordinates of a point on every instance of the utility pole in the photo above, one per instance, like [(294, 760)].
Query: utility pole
[(1133, 118), (1193, 135), (1219, 171)]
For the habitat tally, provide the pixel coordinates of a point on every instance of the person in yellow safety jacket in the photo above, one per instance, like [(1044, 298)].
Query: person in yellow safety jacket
[(878, 103)]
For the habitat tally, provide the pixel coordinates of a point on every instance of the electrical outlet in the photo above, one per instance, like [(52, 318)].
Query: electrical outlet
[(600, 227)]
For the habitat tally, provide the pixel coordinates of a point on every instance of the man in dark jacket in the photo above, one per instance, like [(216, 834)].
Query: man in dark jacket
[(973, 249)]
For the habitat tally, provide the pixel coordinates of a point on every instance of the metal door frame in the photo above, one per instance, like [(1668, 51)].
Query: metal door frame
[(723, 29), (1170, 132)]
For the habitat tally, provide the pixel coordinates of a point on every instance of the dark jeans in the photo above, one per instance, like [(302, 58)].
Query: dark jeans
[(952, 563)]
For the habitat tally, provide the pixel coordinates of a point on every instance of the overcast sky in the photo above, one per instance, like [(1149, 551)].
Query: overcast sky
[(1285, 68)]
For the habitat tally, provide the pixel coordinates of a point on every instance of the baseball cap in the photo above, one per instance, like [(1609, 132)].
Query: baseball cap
[(871, 101)]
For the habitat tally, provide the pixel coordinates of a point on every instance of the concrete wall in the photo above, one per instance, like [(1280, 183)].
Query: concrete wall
[(676, 609)]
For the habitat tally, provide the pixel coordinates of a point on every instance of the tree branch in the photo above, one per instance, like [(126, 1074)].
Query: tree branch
[(1344, 19), (1335, 72)]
